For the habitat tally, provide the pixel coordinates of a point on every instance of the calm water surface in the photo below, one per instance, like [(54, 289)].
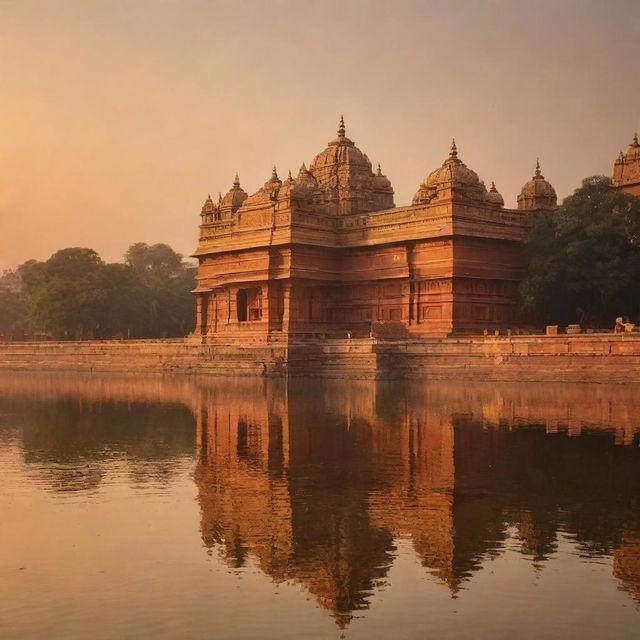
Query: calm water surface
[(158, 507)]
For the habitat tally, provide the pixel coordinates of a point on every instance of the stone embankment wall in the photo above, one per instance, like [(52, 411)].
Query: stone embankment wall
[(588, 358)]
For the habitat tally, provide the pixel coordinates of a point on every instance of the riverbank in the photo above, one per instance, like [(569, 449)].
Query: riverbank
[(576, 358)]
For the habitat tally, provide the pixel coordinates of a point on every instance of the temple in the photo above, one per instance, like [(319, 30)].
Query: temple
[(626, 169), (328, 252)]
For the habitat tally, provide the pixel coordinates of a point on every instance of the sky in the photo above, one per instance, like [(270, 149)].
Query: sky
[(118, 117)]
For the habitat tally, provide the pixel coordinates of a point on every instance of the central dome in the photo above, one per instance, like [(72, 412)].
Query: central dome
[(345, 178), (342, 150)]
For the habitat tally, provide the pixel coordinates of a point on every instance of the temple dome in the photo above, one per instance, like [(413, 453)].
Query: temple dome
[(208, 206), (234, 198), (493, 196), (345, 179), (381, 182), (633, 153), (537, 193), (452, 176), (626, 169), (286, 187), (274, 181), (340, 150)]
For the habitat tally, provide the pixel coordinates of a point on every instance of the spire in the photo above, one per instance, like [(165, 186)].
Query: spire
[(538, 173), (379, 170), (236, 182), (219, 197), (289, 177), (635, 142), (274, 173), (341, 128), (493, 187), (303, 167), (454, 150)]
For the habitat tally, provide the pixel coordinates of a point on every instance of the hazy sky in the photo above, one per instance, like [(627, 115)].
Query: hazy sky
[(118, 117)]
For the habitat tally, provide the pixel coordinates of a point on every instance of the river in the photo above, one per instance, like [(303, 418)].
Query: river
[(193, 507)]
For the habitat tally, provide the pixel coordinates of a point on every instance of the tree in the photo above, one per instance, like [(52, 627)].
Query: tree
[(12, 311), (75, 294), (125, 310), (12, 315), (584, 259), (167, 281), (67, 295)]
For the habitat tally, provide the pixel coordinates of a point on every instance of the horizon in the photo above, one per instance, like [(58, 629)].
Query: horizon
[(119, 120)]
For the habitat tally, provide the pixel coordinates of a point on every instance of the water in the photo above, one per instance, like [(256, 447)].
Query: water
[(161, 507)]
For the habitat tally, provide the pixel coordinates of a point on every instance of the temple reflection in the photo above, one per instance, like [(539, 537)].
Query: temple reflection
[(315, 482)]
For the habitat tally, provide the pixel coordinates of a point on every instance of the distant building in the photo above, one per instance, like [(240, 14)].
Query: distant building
[(328, 252), (626, 169)]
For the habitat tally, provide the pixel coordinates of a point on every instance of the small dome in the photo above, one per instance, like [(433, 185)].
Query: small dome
[(381, 182), (273, 181), (286, 187), (208, 206), (234, 198), (633, 153), (453, 175), (537, 193), (494, 197)]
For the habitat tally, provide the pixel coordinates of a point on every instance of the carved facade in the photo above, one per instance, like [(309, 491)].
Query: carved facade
[(328, 252)]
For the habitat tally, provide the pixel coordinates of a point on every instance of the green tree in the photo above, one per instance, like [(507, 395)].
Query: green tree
[(167, 281), (67, 295), (12, 311), (125, 309), (584, 259), (74, 294), (12, 315)]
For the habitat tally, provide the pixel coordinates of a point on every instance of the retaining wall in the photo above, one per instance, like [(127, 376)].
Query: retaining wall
[(586, 357)]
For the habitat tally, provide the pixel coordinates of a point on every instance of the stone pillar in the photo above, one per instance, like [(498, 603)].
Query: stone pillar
[(286, 306), (211, 311), (270, 308), (198, 329), (265, 303)]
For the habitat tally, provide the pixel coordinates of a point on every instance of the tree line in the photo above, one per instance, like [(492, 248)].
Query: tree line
[(75, 295)]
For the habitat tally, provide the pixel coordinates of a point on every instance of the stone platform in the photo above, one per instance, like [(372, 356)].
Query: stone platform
[(576, 358)]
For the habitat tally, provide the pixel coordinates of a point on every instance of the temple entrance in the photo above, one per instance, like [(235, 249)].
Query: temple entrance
[(249, 304)]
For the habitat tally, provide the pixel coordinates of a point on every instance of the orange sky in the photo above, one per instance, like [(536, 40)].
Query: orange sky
[(118, 117)]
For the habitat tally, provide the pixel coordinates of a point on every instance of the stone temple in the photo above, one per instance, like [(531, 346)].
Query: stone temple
[(329, 253)]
